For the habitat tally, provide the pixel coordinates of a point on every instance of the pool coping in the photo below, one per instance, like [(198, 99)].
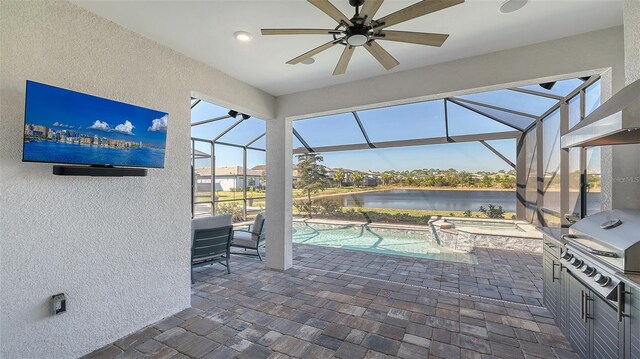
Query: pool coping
[(529, 230)]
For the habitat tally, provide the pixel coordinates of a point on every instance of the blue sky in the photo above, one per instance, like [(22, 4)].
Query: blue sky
[(412, 121), (62, 109)]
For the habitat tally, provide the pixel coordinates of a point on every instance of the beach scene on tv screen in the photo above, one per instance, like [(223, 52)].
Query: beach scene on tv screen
[(64, 126)]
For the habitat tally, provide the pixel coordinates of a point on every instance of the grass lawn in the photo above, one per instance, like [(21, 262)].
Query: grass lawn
[(227, 195)]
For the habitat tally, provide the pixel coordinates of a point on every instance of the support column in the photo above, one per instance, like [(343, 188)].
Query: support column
[(564, 168), (279, 196), (521, 178), (539, 173)]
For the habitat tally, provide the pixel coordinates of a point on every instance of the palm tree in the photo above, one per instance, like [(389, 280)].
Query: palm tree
[(357, 177), (387, 177), (339, 176)]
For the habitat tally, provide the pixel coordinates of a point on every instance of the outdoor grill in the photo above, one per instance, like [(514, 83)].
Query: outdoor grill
[(602, 245)]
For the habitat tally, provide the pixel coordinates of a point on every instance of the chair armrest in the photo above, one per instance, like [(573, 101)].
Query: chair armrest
[(243, 230), (247, 226)]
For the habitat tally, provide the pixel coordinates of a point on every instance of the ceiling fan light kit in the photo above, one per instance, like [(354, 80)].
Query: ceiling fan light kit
[(363, 31)]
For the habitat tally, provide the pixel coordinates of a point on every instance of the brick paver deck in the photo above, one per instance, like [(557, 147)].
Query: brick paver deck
[(345, 304)]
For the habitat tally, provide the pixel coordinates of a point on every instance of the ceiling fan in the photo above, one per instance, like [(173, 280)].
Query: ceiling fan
[(363, 30)]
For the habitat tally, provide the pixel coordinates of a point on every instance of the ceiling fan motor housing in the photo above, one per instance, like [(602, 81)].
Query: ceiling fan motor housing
[(358, 34)]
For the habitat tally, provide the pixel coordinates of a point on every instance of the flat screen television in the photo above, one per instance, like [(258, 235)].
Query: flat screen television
[(64, 126)]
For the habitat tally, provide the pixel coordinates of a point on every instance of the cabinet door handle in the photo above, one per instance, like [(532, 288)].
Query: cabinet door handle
[(582, 316), (553, 271), (621, 293), (587, 298)]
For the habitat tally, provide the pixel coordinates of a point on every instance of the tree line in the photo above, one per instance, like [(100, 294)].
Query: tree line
[(430, 178)]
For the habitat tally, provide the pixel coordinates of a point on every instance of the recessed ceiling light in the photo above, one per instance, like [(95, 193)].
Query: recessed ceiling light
[(308, 61), (242, 36), (510, 6)]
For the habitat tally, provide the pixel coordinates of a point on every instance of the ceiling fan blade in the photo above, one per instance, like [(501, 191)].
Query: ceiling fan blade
[(341, 67), (420, 38), (416, 10), (381, 55), (317, 50), (331, 10), (369, 9), (299, 31)]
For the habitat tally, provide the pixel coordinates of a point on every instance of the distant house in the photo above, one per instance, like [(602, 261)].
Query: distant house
[(371, 179), (227, 178)]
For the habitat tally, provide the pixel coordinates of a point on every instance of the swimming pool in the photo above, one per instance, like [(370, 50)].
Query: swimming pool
[(411, 243)]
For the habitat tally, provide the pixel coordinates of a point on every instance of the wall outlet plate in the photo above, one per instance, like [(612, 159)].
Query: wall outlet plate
[(58, 304)]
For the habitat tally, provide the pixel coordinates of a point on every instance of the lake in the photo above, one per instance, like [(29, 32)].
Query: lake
[(442, 200)]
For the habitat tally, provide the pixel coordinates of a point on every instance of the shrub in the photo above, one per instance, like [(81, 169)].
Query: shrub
[(467, 213), (328, 207), (304, 208), (232, 208), (492, 212)]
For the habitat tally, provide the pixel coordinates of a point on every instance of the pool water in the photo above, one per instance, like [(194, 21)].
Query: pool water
[(410, 243)]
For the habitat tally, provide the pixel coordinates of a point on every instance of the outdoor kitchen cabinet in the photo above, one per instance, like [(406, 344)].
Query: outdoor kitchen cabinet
[(553, 281), (592, 324), (633, 323)]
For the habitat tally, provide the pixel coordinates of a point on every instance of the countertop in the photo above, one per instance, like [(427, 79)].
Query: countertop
[(632, 280), (554, 233)]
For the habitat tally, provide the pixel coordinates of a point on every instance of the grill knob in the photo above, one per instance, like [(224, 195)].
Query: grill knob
[(566, 255), (603, 280), (576, 262), (589, 271)]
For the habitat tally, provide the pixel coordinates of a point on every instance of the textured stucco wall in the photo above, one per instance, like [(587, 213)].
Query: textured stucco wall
[(621, 164), (118, 247), (632, 40)]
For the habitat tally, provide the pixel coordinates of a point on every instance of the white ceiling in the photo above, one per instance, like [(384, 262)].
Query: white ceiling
[(203, 30)]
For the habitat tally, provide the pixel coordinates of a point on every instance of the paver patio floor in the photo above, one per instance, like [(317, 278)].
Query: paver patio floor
[(345, 304)]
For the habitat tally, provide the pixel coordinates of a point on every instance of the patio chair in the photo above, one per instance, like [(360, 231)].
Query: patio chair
[(251, 238), (211, 241)]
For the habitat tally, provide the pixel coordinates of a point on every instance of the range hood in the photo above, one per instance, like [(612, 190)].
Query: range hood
[(615, 122)]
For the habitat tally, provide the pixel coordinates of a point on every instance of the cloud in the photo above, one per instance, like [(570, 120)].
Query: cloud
[(57, 123), (126, 127), (159, 124), (100, 125)]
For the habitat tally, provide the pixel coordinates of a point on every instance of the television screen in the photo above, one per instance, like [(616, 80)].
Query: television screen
[(64, 126)]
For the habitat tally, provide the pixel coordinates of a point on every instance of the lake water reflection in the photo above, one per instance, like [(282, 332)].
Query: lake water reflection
[(444, 200)]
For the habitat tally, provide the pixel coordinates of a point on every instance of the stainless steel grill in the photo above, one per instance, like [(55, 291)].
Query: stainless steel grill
[(601, 245), (612, 236)]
